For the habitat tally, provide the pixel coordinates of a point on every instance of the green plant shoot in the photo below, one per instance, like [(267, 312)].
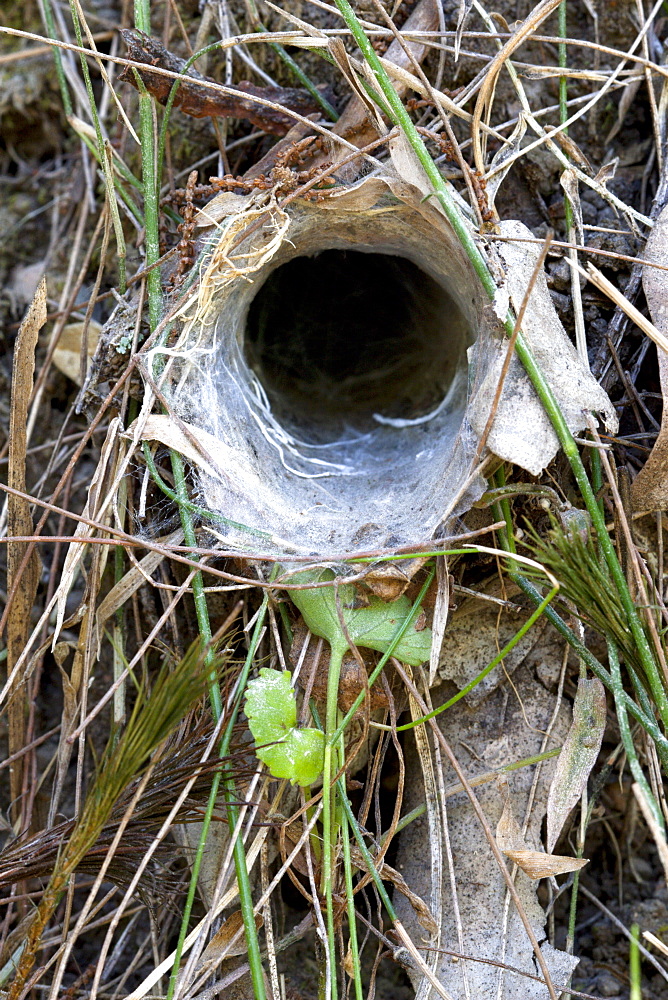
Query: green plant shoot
[(288, 752)]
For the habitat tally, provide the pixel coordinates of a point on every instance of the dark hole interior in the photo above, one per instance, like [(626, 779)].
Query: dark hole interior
[(340, 336)]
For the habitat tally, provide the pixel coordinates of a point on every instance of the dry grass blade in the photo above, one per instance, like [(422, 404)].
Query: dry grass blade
[(19, 522), (528, 26), (620, 300), (153, 718)]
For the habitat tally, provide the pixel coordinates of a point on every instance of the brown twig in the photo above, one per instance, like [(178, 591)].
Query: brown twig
[(195, 98)]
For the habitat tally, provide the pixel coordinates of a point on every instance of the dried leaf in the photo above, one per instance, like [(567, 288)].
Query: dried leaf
[(348, 963), (607, 172), (67, 355), (505, 153), (220, 946), (508, 833), (19, 522), (578, 755), (340, 56), (389, 580), (292, 834), (224, 205), (537, 865), (530, 438), (649, 490), (626, 100), (481, 889)]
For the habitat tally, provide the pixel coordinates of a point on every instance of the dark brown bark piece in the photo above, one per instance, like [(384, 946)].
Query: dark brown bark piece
[(200, 101)]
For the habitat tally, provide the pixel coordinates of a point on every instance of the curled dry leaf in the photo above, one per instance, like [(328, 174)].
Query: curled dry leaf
[(509, 837), (390, 580), (537, 865), (508, 833), (650, 488), (578, 755)]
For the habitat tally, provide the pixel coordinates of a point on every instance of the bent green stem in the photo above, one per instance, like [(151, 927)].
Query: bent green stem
[(329, 826), (533, 618), (625, 732), (350, 901)]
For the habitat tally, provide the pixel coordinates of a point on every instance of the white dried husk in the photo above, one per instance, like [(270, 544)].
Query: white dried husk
[(298, 484)]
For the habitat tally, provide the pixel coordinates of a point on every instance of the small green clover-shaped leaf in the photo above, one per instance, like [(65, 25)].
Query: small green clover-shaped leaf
[(373, 627), (298, 757), (271, 707)]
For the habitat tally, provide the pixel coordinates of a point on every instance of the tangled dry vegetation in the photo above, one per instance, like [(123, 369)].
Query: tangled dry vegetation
[(254, 752)]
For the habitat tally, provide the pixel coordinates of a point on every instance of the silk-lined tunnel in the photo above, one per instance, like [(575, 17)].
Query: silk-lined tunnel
[(341, 336)]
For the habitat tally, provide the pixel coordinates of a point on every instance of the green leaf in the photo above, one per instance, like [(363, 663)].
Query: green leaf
[(271, 708), (373, 627)]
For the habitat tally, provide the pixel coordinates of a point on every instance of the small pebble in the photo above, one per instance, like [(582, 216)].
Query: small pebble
[(589, 213), (562, 302), (607, 985)]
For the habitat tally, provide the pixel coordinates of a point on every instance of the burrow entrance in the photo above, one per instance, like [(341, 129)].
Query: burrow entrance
[(340, 336)]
